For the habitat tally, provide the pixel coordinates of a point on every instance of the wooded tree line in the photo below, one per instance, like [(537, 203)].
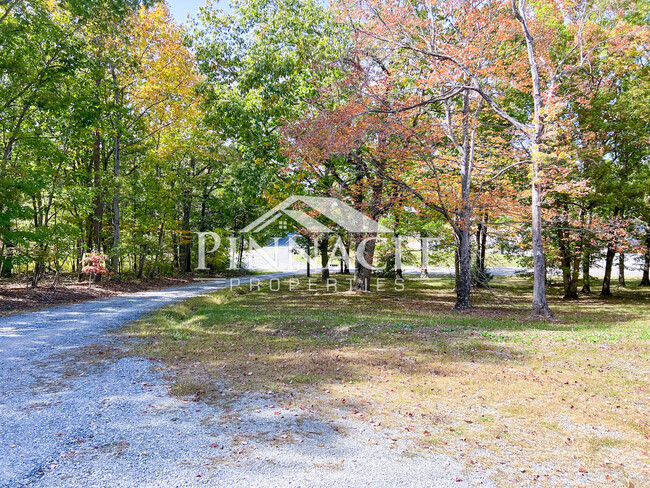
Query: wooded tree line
[(123, 132), (105, 142)]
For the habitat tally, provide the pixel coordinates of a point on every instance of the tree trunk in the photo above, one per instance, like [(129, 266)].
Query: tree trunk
[(176, 263), (346, 263), (481, 241), (185, 251), (186, 242), (159, 254), (308, 259), (55, 281), (36, 275), (484, 226), (323, 245), (98, 208), (586, 255), (362, 274), (575, 274), (464, 278), (609, 261), (240, 254), (621, 269), (586, 278), (116, 188), (424, 257), (362, 278), (565, 262), (570, 265), (186, 255), (6, 259), (116, 210), (141, 260), (540, 308), (7, 263), (645, 281), (456, 267), (398, 258), (79, 259), (462, 227)]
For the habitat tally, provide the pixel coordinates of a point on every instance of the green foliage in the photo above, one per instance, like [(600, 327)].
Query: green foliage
[(107, 107)]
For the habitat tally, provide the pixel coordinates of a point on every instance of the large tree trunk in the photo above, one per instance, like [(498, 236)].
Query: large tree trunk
[(586, 255), (621, 269), (645, 281), (462, 228), (607, 279), (464, 278), (116, 188), (362, 278), (98, 207), (116, 209), (323, 245), (540, 308), (362, 274), (6, 258)]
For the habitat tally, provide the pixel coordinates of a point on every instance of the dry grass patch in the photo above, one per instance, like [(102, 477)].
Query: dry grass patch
[(539, 404)]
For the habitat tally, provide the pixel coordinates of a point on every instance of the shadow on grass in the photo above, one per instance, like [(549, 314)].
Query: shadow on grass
[(266, 339), (481, 383)]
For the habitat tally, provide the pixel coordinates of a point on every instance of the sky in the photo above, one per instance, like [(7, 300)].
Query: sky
[(179, 7)]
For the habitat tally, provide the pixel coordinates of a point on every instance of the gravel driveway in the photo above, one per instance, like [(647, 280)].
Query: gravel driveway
[(118, 426)]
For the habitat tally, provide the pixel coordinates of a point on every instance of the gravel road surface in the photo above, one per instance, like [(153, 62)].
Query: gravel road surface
[(116, 425)]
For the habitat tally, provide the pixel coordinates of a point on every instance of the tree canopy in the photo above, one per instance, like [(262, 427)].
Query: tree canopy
[(123, 132)]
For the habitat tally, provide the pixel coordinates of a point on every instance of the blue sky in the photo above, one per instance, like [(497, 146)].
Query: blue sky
[(179, 7)]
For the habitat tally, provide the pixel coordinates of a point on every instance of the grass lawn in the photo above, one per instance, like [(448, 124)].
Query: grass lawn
[(536, 403)]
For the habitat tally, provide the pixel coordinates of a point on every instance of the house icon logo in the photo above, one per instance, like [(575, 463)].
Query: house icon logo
[(334, 210)]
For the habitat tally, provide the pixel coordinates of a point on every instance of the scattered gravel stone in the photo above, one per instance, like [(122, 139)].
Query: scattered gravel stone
[(118, 426)]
